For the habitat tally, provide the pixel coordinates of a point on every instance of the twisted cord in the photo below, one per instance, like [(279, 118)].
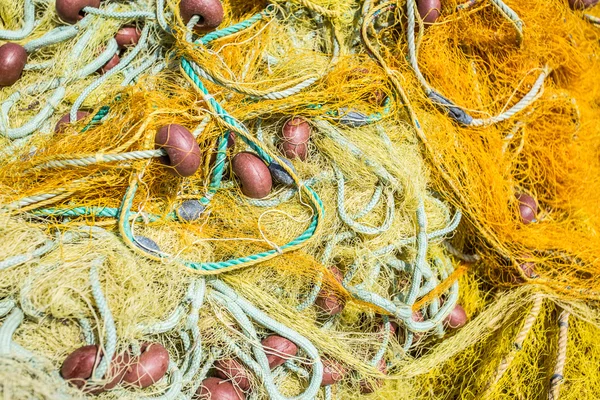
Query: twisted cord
[(273, 93), (160, 16), (257, 94), (219, 169), (235, 28), (454, 111), (111, 49), (290, 365), (413, 239), (470, 258), (37, 121), (213, 355), (131, 75), (166, 325), (328, 392), (403, 311), (466, 5), (286, 194), (592, 19), (314, 292), (561, 356), (371, 204), (58, 84), (511, 16), (421, 261), (103, 158), (377, 169), (38, 198), (384, 343), (530, 97)]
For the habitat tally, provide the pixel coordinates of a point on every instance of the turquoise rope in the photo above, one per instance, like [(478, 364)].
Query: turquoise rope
[(218, 170), (97, 212), (215, 266), (232, 29)]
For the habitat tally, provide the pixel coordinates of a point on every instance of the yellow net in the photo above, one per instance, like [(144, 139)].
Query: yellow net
[(356, 255)]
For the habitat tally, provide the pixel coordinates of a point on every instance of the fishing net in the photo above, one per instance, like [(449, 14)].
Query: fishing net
[(450, 171)]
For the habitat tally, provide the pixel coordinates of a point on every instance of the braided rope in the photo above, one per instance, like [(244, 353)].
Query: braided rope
[(314, 292), (109, 323), (6, 306), (7, 330), (121, 65), (86, 327), (511, 16), (210, 360), (57, 35), (356, 226), (174, 389), (119, 15), (199, 288), (14, 261), (103, 158), (28, 24), (166, 325)]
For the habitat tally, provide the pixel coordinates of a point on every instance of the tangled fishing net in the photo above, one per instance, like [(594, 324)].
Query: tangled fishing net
[(307, 199)]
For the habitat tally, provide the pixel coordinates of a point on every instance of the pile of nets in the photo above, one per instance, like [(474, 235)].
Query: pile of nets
[(299, 199)]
